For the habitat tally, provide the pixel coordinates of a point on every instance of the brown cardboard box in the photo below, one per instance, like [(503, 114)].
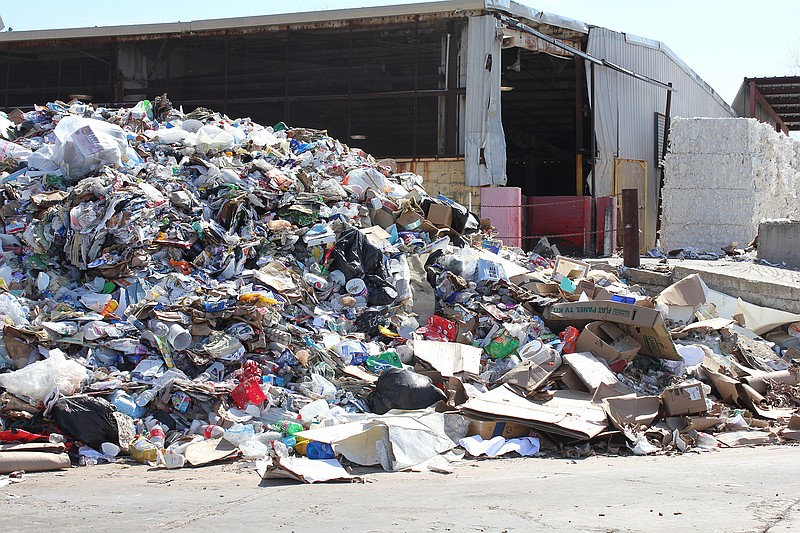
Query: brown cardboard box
[(684, 399), (488, 429), (410, 220), (382, 217), (607, 341), (440, 216), (644, 324)]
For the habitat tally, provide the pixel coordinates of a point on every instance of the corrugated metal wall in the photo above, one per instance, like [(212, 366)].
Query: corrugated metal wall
[(625, 108)]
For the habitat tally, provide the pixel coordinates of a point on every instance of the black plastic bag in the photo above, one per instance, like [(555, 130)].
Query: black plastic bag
[(87, 419), (398, 388), (358, 258)]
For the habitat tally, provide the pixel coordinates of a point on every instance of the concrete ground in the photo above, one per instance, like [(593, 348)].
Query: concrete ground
[(732, 490)]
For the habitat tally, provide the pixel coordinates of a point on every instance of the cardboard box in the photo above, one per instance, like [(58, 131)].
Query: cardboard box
[(569, 268), (644, 324), (440, 216), (382, 217), (685, 399), (607, 341), (489, 429), (410, 220)]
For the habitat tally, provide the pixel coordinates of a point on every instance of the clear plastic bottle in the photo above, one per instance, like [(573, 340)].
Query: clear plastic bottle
[(164, 380), (157, 436)]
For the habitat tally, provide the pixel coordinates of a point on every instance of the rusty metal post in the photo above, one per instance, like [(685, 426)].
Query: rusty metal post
[(630, 227)]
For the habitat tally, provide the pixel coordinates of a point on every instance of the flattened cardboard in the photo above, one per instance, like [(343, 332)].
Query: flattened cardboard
[(489, 429), (690, 291), (590, 370), (305, 470), (644, 324), (382, 217), (606, 341), (567, 413), (32, 461), (449, 358), (684, 399)]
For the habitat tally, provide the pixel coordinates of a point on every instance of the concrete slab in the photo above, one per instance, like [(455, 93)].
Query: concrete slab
[(778, 288), (779, 241)]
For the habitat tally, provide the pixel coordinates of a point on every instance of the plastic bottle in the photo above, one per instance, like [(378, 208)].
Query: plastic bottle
[(279, 449), (56, 438), (211, 431), (165, 379), (157, 436), (287, 427)]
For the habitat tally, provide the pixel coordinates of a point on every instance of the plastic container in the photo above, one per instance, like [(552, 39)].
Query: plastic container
[(319, 450), (357, 287), (173, 459)]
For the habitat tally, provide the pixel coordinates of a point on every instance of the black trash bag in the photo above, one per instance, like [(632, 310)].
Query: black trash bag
[(87, 419), (398, 388), (356, 257)]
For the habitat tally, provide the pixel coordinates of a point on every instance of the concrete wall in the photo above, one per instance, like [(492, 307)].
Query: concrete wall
[(722, 177), (779, 241)]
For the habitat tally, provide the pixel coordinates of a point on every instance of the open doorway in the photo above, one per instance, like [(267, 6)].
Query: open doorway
[(545, 106)]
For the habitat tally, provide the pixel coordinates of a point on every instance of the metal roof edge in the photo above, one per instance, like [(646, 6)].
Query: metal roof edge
[(636, 40), (423, 8), (308, 17)]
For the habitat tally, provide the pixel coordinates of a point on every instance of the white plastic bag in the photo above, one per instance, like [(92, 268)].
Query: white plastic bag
[(322, 387), (9, 150), (253, 449), (37, 379), (84, 145), (214, 138)]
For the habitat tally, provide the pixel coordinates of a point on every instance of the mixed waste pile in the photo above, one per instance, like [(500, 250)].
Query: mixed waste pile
[(184, 288)]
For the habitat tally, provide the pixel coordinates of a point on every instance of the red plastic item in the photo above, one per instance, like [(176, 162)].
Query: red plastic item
[(248, 391), (570, 338), (439, 329), (19, 435)]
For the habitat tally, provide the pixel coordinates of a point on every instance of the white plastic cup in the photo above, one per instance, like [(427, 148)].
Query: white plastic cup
[(357, 287), (179, 338)]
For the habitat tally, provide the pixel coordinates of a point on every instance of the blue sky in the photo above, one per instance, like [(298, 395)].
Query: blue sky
[(723, 41)]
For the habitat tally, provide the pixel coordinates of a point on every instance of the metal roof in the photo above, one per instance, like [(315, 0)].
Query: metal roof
[(444, 8), (780, 98)]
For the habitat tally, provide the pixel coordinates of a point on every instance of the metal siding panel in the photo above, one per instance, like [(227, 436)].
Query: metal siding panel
[(636, 103)]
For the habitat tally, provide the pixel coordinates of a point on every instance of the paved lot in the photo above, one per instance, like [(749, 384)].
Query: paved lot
[(749, 489)]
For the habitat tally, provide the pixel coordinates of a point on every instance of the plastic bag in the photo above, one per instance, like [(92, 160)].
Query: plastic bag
[(399, 388), (238, 433), (9, 150), (37, 379), (83, 145), (213, 138), (88, 419), (356, 257), (322, 387), (253, 449)]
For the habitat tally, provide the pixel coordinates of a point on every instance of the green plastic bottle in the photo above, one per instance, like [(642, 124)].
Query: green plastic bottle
[(288, 428)]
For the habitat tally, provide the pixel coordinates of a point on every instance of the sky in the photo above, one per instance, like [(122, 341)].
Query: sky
[(723, 41)]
